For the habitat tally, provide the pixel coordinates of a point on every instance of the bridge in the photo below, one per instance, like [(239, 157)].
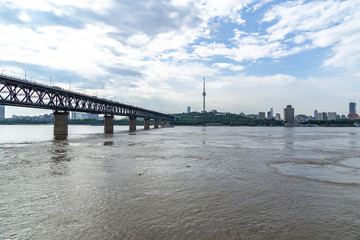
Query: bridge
[(23, 93)]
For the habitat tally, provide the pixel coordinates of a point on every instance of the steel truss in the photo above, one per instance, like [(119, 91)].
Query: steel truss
[(23, 93)]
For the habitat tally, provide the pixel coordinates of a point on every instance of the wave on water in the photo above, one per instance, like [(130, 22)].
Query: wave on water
[(349, 173)]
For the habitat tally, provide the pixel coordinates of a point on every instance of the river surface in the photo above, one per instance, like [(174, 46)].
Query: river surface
[(180, 183)]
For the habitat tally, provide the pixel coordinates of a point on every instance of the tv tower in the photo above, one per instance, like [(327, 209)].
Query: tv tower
[(204, 94)]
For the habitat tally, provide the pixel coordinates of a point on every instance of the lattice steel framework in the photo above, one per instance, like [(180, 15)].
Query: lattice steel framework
[(23, 93)]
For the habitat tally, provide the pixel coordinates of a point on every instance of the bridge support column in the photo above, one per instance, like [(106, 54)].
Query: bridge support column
[(167, 123), (108, 123), (146, 123), (156, 123), (132, 123), (162, 123), (61, 123)]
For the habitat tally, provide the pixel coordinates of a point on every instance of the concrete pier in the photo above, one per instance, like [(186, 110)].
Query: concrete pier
[(132, 123), (61, 123), (156, 123), (108, 123), (162, 123), (146, 123)]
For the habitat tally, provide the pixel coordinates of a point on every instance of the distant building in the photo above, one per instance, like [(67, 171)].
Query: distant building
[(188, 110), (73, 115), (331, 115), (289, 113), (91, 116), (261, 115), (277, 117), (204, 94), (269, 115), (301, 118), (343, 116), (352, 111), (315, 114), (48, 117), (352, 107), (2, 112), (213, 111), (76, 115), (322, 116), (272, 113), (253, 116)]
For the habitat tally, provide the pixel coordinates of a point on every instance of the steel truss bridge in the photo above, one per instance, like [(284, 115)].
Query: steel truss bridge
[(24, 93)]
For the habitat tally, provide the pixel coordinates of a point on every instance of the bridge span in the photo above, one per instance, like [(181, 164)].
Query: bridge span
[(23, 93)]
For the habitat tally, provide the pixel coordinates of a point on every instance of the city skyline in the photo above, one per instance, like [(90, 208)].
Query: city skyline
[(254, 54)]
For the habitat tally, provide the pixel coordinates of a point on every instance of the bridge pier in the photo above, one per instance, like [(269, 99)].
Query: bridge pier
[(156, 123), (109, 123), (132, 123), (61, 123), (146, 123), (162, 123)]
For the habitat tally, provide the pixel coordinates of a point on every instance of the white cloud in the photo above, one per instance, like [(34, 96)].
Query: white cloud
[(53, 5), (229, 66), (331, 24), (164, 48), (24, 17), (63, 48)]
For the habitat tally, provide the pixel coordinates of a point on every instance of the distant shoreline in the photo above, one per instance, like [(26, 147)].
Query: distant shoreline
[(199, 119)]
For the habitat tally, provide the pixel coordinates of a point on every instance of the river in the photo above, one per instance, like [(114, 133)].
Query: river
[(180, 183)]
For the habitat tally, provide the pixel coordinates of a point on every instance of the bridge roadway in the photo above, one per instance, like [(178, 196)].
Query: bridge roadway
[(23, 93)]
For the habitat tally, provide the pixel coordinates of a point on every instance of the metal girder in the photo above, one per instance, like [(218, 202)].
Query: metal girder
[(23, 93)]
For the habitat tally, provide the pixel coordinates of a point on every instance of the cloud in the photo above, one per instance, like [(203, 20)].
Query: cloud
[(318, 24), (161, 50), (230, 66)]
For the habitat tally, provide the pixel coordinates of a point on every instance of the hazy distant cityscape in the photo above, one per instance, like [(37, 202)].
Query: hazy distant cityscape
[(288, 115)]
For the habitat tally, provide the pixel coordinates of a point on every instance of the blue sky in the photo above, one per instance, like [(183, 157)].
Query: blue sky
[(254, 54)]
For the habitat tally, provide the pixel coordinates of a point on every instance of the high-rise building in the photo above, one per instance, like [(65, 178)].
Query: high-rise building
[(188, 110), (352, 111), (204, 94), (322, 116), (277, 117), (2, 112), (331, 115), (289, 114), (269, 115), (261, 115), (315, 114), (272, 112), (352, 107)]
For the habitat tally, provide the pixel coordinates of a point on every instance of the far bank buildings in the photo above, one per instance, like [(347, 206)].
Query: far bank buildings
[(289, 114), (2, 112)]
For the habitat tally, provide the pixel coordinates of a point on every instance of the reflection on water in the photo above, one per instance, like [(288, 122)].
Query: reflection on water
[(181, 183), (108, 143), (59, 152), (60, 137)]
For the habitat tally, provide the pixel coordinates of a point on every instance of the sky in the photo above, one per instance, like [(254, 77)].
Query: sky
[(254, 54)]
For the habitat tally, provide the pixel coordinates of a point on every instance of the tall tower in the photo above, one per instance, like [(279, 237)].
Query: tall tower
[(352, 111), (204, 94), (352, 107), (289, 114)]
